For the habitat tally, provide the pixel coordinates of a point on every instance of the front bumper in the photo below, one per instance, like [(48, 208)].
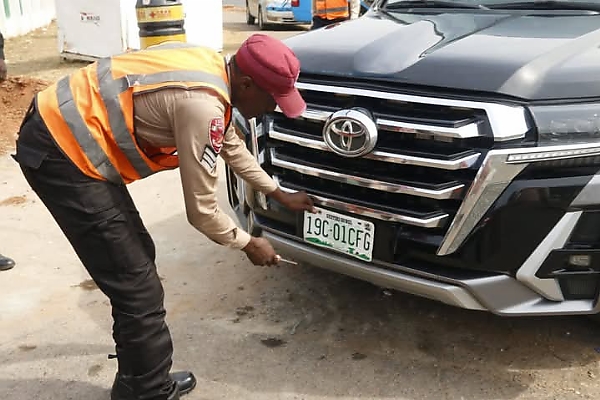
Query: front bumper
[(496, 293), (280, 17)]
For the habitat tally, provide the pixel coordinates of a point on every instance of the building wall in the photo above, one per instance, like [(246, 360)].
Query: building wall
[(18, 17)]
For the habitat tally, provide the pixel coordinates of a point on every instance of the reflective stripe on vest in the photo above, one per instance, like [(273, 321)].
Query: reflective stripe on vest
[(332, 10), (110, 89), (83, 135)]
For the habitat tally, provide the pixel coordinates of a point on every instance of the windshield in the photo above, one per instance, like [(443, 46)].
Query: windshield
[(560, 4)]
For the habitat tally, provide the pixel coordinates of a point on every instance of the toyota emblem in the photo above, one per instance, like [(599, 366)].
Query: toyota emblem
[(350, 133)]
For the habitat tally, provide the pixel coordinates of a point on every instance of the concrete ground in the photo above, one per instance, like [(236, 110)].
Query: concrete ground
[(263, 333)]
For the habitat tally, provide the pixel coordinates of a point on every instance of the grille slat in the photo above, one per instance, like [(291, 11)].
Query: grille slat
[(463, 132), (409, 124), (462, 160), (432, 220)]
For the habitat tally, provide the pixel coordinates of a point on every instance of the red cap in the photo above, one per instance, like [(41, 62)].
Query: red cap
[(274, 68)]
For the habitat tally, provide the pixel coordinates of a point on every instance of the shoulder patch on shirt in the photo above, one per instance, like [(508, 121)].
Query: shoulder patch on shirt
[(217, 133)]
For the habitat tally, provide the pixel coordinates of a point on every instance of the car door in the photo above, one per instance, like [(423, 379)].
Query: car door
[(302, 10), (253, 7)]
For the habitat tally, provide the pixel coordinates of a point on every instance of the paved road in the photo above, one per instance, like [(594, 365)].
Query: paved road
[(236, 3)]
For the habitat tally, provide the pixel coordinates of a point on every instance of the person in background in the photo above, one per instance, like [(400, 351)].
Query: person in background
[(5, 262), (3, 69), (327, 12)]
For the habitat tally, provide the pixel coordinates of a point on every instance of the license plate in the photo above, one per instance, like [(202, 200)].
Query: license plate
[(339, 232)]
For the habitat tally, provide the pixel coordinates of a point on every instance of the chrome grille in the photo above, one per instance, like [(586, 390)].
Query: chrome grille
[(427, 155)]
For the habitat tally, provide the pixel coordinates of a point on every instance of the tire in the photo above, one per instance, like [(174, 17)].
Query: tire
[(249, 18), (261, 21)]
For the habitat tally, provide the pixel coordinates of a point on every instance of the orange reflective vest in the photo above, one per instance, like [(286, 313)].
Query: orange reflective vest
[(332, 9), (90, 113)]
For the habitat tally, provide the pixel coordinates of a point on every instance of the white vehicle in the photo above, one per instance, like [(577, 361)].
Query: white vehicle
[(270, 12)]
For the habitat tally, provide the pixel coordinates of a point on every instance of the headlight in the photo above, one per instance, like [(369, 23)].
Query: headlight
[(564, 124), (568, 134)]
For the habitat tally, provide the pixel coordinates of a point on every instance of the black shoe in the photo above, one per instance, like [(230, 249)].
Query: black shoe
[(6, 263), (186, 381), (122, 388)]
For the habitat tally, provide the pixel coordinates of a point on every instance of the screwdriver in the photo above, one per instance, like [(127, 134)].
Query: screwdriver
[(281, 259)]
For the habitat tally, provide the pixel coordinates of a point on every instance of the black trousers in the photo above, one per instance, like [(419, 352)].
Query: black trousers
[(104, 227), (318, 22)]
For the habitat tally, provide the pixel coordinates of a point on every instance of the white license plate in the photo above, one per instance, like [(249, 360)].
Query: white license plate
[(352, 236)]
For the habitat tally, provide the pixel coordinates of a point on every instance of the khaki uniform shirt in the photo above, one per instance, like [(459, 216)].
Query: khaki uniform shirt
[(183, 119)]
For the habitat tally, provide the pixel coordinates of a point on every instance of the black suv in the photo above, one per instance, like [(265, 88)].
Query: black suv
[(453, 149)]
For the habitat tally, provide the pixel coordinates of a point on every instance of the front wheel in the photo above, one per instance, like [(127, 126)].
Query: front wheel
[(261, 21), (249, 18)]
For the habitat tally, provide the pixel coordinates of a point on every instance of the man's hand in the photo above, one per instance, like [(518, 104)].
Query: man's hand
[(3, 70), (260, 252), (298, 201)]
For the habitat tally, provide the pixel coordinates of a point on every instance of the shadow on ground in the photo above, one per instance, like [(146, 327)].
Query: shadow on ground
[(244, 27)]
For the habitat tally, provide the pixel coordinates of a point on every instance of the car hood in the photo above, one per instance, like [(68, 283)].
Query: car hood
[(525, 56)]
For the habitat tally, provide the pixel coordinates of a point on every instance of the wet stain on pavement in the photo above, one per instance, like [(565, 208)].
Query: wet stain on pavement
[(88, 285), (272, 342), (241, 311), (14, 201), (94, 370)]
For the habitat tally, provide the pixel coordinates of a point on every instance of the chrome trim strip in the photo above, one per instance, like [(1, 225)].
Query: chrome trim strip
[(489, 183), (299, 140), (507, 122), (254, 150), (552, 153), (253, 137), (461, 163), (239, 122), (313, 114), (434, 222), (495, 174), (590, 193), (555, 239), (449, 193), (464, 132)]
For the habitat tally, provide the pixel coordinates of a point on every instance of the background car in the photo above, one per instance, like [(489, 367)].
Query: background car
[(272, 12)]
